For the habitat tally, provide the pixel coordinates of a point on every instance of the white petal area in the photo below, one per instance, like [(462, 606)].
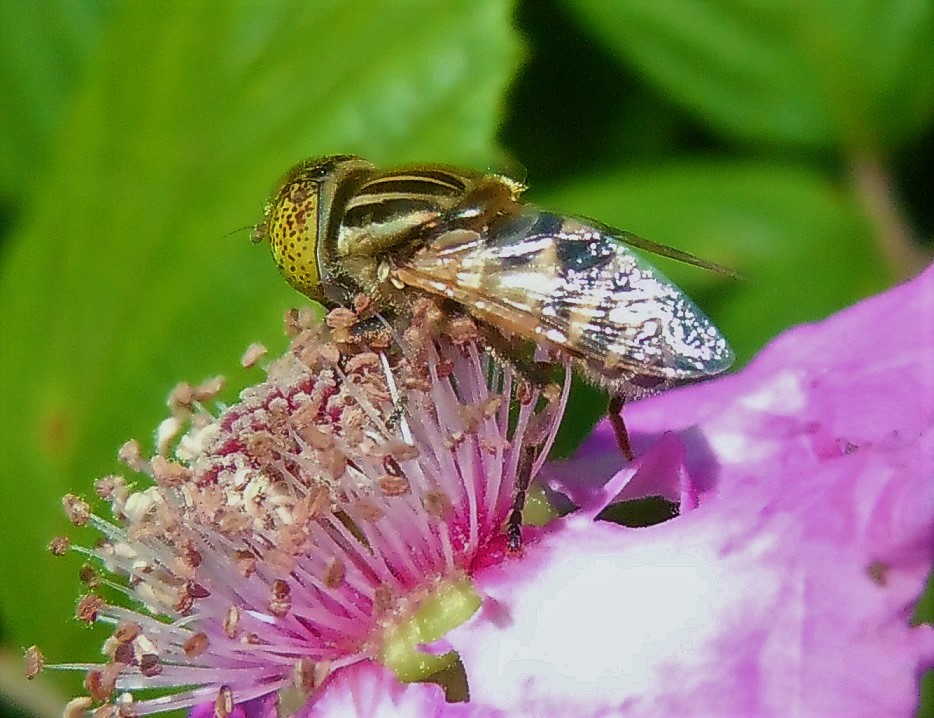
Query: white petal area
[(755, 605), (368, 690), (600, 624)]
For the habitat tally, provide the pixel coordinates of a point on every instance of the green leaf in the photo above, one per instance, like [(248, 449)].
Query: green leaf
[(812, 72), (801, 245), (123, 280), (45, 48)]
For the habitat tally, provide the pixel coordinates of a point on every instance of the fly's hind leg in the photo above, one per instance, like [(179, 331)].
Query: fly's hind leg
[(615, 415), (523, 479)]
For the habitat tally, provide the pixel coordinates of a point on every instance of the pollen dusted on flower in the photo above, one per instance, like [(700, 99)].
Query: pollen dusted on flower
[(288, 536)]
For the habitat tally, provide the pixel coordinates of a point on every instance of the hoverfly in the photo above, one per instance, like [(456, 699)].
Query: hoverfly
[(340, 227)]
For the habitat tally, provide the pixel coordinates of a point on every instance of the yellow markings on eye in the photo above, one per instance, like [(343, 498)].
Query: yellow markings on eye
[(291, 226)]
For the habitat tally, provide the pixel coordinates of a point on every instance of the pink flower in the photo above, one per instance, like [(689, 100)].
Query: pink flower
[(785, 586), (331, 517)]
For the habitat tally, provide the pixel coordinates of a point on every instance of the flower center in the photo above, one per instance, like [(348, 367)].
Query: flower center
[(332, 515), (451, 603)]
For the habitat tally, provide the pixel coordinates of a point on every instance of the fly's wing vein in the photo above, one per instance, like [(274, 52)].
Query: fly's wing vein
[(559, 282)]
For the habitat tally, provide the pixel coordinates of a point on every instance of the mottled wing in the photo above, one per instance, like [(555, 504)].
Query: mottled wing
[(561, 283)]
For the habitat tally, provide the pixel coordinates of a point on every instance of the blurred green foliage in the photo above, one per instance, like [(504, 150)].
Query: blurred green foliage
[(792, 141)]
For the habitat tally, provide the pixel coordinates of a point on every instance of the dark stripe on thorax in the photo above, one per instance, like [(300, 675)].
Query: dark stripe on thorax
[(433, 182), (381, 209), (389, 196), (397, 186), (342, 193)]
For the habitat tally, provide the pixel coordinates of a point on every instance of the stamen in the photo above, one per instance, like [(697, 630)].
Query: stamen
[(293, 533), (35, 662)]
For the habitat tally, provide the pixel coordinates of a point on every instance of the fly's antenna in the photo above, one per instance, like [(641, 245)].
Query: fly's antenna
[(232, 232)]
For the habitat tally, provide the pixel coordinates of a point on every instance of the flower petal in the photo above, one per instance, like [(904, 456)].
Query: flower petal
[(368, 690), (789, 589), (589, 482), (741, 609)]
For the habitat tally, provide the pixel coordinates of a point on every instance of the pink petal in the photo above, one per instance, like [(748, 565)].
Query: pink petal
[(863, 377), (772, 608), (789, 590), (656, 471)]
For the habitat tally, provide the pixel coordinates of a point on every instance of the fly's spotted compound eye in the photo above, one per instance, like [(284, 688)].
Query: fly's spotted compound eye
[(291, 226)]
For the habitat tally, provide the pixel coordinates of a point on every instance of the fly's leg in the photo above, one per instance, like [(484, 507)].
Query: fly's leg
[(532, 374), (371, 328), (615, 415), (367, 328), (394, 420), (523, 478)]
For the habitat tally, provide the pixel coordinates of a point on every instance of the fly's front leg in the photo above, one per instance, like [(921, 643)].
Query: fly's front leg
[(615, 415)]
